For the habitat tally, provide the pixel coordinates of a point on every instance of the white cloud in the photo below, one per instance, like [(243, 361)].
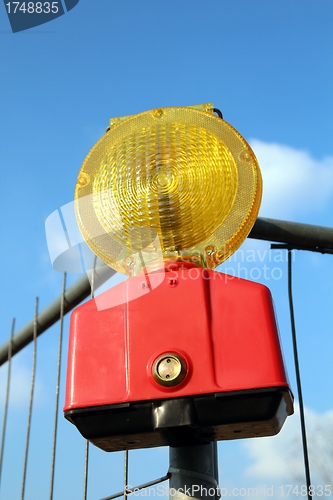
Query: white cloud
[(281, 456), (294, 182)]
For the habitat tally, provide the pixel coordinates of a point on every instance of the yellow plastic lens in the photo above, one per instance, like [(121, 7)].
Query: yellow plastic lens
[(171, 183)]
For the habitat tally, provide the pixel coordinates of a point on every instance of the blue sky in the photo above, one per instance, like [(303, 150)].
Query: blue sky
[(268, 66)]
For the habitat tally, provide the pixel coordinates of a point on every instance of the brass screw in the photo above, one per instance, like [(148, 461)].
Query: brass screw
[(83, 180), (169, 369), (159, 112)]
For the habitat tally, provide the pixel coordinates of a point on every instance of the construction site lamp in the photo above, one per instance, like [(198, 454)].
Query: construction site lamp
[(175, 183), (178, 354)]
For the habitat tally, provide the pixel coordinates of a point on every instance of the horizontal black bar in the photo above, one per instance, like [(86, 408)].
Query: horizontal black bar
[(295, 234)]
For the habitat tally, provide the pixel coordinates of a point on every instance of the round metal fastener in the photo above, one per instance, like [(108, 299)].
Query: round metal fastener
[(169, 369), (173, 282)]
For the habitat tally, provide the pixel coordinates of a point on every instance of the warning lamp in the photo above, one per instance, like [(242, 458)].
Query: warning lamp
[(165, 183), (177, 354)]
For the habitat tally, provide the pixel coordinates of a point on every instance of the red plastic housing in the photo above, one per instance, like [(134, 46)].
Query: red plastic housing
[(223, 327)]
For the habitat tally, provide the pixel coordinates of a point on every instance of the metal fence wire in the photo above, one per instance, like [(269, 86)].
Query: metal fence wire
[(293, 236)]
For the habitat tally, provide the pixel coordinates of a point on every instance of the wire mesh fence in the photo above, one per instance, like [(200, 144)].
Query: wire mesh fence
[(42, 455)]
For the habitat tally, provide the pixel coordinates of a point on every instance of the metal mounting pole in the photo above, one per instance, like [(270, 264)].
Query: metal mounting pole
[(194, 472)]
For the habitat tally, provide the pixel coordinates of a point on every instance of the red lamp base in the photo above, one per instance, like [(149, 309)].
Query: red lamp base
[(195, 359)]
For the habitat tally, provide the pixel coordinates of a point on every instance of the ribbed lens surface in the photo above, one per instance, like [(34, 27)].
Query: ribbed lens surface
[(168, 184), (164, 177)]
